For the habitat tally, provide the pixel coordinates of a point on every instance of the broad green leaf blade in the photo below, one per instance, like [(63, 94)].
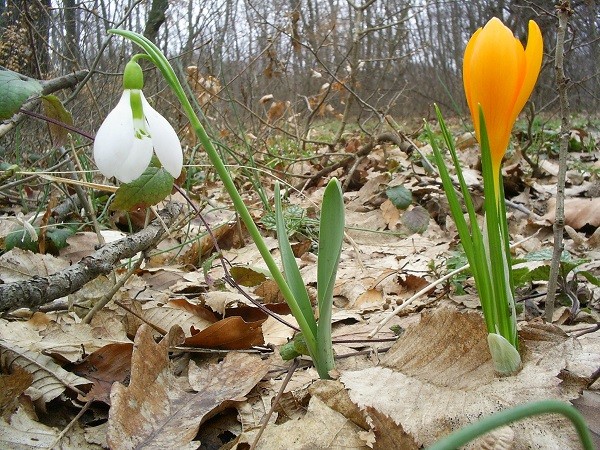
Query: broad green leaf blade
[(150, 188), (290, 268), (15, 89), (54, 109), (331, 237)]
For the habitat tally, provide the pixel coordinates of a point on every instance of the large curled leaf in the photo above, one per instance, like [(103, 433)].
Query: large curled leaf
[(54, 109), (15, 89), (150, 188)]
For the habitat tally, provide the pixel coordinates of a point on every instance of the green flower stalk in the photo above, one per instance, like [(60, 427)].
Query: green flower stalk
[(316, 337), (499, 75)]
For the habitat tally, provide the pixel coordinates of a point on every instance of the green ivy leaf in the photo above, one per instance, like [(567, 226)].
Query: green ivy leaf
[(400, 197), (21, 239), (59, 236), (150, 188), (15, 89)]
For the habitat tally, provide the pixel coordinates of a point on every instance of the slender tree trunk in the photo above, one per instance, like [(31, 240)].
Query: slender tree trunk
[(562, 82), (156, 18)]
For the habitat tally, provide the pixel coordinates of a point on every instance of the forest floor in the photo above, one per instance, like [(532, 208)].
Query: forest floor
[(181, 359)]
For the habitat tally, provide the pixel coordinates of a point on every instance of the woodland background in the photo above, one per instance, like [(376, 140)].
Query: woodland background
[(301, 91), (328, 58)]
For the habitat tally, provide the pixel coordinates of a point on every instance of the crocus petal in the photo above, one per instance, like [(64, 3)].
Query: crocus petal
[(494, 80), (499, 74), (164, 138), (533, 63)]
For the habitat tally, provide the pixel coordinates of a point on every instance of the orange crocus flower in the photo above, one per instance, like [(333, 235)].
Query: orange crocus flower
[(499, 74)]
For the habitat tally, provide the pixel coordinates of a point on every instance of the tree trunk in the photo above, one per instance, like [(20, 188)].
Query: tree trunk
[(156, 18)]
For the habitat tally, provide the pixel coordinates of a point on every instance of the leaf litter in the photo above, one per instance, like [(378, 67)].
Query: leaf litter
[(182, 355)]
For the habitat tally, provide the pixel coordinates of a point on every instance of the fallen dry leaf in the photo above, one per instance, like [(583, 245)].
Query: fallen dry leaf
[(105, 366), (156, 411), (49, 379), (443, 378), (231, 333), (320, 428), (11, 387), (579, 212), (18, 265)]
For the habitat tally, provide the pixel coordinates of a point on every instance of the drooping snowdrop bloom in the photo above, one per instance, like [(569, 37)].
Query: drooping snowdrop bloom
[(132, 132)]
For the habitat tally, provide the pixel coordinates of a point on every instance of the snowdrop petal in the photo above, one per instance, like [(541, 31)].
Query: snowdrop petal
[(164, 138), (114, 139), (136, 160)]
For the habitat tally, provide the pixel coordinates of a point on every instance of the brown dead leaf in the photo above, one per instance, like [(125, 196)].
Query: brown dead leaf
[(388, 434), (19, 265), (49, 379), (320, 428), (182, 315), (11, 387), (231, 333), (412, 282), (579, 212), (269, 291), (105, 366), (276, 111), (300, 248), (198, 310), (24, 431), (390, 214), (156, 411), (439, 377)]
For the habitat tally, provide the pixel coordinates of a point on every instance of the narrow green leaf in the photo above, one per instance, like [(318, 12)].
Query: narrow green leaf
[(15, 89), (153, 186), (290, 267), (331, 237)]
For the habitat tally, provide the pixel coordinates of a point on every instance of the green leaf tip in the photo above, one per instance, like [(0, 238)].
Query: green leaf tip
[(506, 358)]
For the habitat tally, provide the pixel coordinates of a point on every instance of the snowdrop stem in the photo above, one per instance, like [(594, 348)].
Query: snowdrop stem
[(463, 436), (161, 62)]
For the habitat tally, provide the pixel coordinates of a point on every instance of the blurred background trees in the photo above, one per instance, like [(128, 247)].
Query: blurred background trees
[(351, 60)]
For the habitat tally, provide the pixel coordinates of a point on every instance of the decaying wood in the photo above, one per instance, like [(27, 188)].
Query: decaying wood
[(38, 291)]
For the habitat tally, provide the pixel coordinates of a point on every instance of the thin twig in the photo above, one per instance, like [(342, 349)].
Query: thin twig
[(562, 82), (109, 295), (267, 417)]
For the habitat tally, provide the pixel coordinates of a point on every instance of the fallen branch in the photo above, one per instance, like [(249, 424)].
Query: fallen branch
[(38, 291)]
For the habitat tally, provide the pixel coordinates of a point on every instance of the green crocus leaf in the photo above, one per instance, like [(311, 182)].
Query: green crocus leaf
[(150, 188), (15, 89)]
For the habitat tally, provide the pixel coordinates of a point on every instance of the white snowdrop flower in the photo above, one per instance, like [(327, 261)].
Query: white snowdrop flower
[(132, 131)]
